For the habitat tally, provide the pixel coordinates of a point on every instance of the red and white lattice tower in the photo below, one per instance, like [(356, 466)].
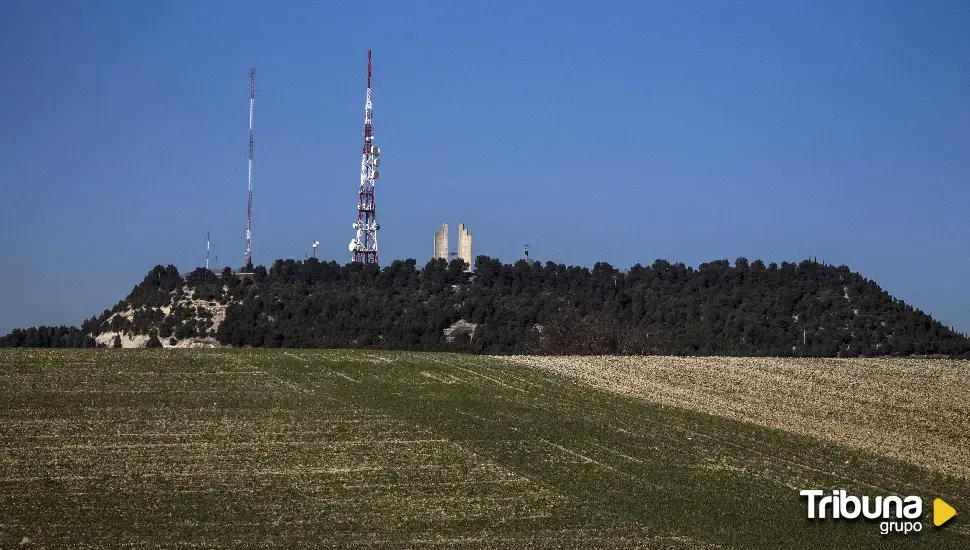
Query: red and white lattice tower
[(249, 208), (364, 245)]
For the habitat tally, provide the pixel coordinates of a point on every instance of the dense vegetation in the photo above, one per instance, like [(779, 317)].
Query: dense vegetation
[(748, 308), (47, 337), (805, 309)]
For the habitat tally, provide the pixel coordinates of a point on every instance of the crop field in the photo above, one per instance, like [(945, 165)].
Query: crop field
[(355, 449), (916, 410)]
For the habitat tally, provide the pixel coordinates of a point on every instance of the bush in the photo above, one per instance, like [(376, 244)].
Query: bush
[(185, 330)]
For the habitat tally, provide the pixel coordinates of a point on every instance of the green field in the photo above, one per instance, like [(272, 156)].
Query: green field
[(348, 449)]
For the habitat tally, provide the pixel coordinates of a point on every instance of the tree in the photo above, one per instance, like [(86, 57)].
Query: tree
[(117, 341), (48, 337), (185, 330), (667, 308)]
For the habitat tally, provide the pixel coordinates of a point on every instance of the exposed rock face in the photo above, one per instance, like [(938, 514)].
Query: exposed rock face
[(127, 340), (139, 341), (184, 315), (459, 328)]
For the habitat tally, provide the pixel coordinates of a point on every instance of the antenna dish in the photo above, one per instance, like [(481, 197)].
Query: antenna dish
[(351, 246)]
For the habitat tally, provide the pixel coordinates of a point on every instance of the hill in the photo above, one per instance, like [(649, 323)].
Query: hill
[(748, 308), (375, 449)]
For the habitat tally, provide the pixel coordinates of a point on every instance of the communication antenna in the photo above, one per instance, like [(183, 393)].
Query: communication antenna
[(249, 207), (315, 245), (207, 249), (364, 244), (527, 252)]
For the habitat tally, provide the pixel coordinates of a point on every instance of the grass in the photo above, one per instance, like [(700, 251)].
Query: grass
[(257, 448)]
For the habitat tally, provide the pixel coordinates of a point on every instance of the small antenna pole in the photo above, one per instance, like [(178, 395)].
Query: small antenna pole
[(249, 207)]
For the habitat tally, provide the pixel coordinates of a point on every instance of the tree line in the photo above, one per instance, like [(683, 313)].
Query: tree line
[(718, 308), (47, 337)]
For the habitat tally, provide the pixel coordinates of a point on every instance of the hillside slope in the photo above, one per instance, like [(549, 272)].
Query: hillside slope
[(177, 311)]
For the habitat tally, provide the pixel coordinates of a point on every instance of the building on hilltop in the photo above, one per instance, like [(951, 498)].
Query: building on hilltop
[(464, 244), (441, 242)]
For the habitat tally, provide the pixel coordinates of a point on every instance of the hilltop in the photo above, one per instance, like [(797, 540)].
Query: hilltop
[(748, 308)]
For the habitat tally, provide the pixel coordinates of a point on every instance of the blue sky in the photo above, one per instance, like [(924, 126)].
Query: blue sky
[(594, 131)]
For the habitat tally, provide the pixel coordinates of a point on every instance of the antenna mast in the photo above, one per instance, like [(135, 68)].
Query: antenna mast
[(364, 244), (249, 208), (207, 250)]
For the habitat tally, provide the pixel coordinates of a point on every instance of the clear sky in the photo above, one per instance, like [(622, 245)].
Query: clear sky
[(594, 131)]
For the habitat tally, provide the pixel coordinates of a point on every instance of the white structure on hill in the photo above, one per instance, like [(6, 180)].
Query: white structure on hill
[(465, 244), (441, 243)]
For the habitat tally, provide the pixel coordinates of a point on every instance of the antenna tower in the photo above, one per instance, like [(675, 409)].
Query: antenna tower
[(207, 250), (249, 207), (364, 244)]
